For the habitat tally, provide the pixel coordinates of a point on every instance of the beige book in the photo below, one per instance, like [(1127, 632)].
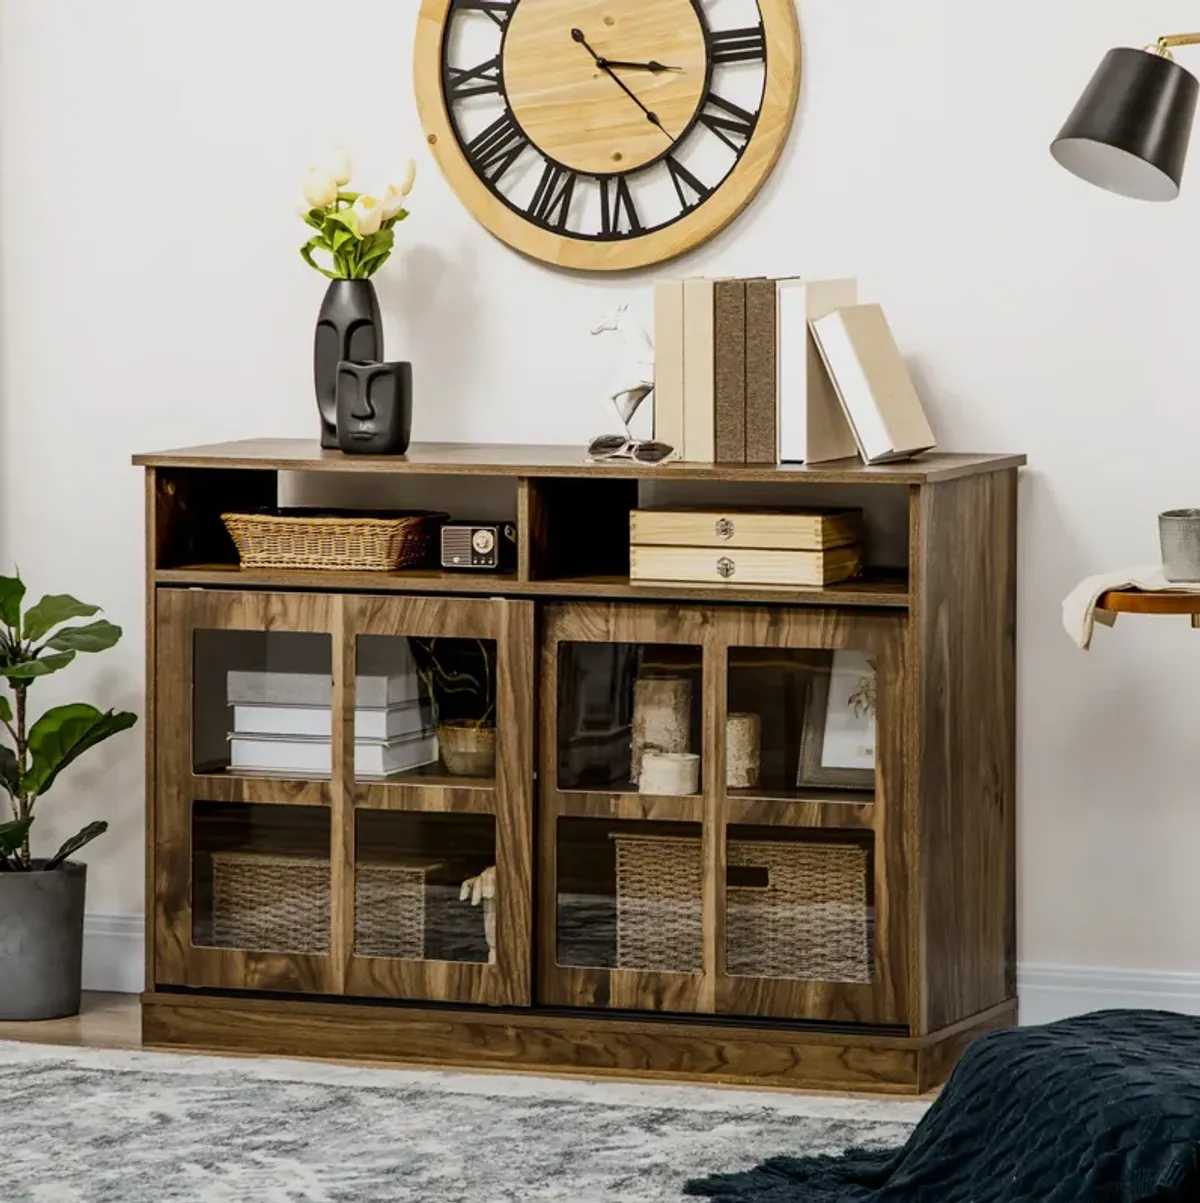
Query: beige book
[(744, 566), (781, 530), (668, 363), (729, 371), (873, 384), (812, 424), (699, 417)]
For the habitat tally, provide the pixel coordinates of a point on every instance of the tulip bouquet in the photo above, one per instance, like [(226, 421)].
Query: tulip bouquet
[(354, 229)]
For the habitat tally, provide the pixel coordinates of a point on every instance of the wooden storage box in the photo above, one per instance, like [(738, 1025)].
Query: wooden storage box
[(712, 566), (281, 904), (807, 920), (781, 530)]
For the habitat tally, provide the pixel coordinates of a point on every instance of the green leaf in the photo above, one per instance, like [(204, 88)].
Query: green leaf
[(340, 237), (306, 254), (96, 636), (378, 246), (63, 734), (10, 771), (77, 841), (6, 714), (344, 219), (51, 610), (12, 836), (315, 218), (43, 666), (12, 591)]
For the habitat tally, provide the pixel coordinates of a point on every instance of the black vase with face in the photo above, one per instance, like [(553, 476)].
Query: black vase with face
[(348, 328), (374, 407)]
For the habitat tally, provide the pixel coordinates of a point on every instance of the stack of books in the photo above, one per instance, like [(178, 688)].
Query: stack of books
[(762, 371), (282, 724)]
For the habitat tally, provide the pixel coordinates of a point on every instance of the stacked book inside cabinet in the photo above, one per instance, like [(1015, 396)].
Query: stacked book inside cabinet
[(717, 782)]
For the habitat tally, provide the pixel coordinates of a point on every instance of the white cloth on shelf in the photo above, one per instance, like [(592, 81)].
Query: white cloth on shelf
[(1079, 608)]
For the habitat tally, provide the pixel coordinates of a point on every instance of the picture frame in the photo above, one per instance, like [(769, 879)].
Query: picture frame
[(838, 738)]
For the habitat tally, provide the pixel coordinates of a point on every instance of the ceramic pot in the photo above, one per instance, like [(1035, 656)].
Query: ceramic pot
[(743, 750), (669, 773), (1179, 533), (662, 718), (41, 942), (374, 408), (467, 750), (349, 327)]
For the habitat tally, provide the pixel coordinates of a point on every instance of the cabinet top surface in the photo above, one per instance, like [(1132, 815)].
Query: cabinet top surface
[(515, 459)]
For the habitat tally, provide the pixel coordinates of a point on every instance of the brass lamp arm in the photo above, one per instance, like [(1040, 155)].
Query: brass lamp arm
[(1163, 46)]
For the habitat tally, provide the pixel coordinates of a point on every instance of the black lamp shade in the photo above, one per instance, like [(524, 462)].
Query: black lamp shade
[(1129, 132)]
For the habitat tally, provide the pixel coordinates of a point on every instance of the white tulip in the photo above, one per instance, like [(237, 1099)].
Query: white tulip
[(320, 188), (392, 202), (339, 167), (408, 175), (368, 215)]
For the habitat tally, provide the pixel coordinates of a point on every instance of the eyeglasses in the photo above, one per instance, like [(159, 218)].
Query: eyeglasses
[(616, 446)]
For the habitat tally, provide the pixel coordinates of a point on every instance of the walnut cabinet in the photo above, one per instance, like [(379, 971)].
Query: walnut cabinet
[(845, 917)]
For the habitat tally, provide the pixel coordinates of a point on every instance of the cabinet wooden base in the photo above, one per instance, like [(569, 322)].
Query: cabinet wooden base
[(591, 1045)]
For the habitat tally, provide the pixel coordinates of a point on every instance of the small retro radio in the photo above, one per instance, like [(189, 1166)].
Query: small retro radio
[(481, 545)]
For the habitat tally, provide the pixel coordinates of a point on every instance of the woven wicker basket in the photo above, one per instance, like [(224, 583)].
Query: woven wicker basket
[(281, 904), (356, 542), (808, 923)]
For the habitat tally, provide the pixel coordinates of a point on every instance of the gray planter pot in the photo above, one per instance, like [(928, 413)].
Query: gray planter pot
[(41, 942)]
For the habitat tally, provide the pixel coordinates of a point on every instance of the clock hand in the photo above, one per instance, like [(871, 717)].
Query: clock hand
[(652, 65), (577, 35)]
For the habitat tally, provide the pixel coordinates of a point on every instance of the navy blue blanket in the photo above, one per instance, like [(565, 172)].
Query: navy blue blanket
[(1104, 1108)]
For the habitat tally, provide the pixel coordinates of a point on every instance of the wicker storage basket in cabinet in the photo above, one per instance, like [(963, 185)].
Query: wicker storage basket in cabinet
[(281, 904), (808, 920)]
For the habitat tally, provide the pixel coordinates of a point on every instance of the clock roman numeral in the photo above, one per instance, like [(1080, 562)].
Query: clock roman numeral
[(495, 150), (618, 213), (482, 80), (551, 204), (499, 10), (685, 183), (738, 45), (732, 124)]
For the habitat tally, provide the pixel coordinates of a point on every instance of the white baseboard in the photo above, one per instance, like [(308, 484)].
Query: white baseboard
[(114, 959), (1049, 992)]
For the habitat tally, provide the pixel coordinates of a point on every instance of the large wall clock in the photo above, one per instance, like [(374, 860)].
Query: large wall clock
[(606, 134)]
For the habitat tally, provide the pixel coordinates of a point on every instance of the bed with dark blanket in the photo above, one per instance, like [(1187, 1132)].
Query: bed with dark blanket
[(1104, 1108)]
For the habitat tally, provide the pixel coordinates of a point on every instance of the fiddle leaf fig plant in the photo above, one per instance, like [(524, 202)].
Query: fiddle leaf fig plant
[(34, 642)]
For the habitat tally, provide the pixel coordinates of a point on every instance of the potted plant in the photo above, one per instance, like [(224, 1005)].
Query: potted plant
[(42, 900), (355, 234), (459, 678)]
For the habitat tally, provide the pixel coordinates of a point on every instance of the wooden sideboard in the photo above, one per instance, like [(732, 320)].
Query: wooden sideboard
[(629, 934)]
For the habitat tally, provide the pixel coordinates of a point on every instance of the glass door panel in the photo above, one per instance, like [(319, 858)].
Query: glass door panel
[(629, 718), (630, 896), (262, 703), (425, 886), (260, 877), (425, 708), (798, 905), (799, 721)]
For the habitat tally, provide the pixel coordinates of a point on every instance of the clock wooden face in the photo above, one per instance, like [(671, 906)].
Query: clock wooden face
[(606, 134)]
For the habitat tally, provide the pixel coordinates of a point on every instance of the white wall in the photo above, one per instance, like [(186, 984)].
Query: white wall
[(153, 297)]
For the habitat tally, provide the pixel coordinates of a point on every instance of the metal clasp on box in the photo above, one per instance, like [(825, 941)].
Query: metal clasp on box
[(726, 567), (724, 528)]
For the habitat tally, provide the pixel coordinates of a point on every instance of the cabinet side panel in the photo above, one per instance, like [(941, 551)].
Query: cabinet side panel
[(966, 723)]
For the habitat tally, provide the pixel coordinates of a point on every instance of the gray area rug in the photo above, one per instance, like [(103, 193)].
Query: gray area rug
[(98, 1126)]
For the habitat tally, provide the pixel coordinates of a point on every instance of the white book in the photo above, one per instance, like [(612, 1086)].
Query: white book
[(408, 718), (306, 756), (281, 688), (873, 385), (811, 423)]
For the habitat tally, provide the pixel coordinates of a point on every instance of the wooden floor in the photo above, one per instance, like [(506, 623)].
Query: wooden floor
[(107, 1021), (114, 1021)]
